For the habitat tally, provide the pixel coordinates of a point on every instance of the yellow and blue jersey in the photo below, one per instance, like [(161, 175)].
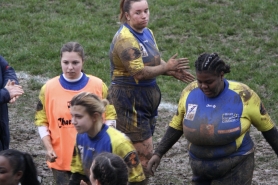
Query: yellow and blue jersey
[(107, 140), (144, 51), (219, 127)]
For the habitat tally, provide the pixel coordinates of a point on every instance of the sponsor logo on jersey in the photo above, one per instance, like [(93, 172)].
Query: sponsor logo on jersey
[(230, 117), (213, 106), (64, 123), (191, 111)]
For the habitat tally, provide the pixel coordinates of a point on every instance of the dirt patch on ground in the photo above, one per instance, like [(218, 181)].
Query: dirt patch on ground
[(174, 167)]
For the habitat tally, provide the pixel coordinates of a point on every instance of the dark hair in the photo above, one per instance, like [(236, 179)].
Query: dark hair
[(110, 169), (20, 161), (211, 63), (90, 101), (125, 6), (73, 47)]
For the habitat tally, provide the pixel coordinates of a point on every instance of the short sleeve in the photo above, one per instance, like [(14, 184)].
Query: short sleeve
[(129, 53)]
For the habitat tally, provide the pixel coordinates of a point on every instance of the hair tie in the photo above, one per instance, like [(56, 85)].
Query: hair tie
[(211, 56)]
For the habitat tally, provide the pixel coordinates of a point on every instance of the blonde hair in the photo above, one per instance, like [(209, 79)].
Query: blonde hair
[(90, 101)]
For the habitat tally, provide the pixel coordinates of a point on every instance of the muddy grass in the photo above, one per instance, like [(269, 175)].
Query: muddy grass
[(173, 169)]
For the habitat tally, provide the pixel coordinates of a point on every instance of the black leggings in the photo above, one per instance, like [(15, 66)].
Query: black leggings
[(228, 171)]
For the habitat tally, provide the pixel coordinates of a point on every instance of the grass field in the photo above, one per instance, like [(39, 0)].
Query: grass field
[(244, 33)]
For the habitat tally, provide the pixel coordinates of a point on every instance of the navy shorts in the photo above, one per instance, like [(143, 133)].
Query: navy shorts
[(136, 109)]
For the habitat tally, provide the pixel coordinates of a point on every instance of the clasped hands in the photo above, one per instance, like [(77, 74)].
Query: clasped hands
[(14, 90)]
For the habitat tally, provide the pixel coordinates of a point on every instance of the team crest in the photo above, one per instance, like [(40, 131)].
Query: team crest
[(191, 112), (131, 159), (143, 50)]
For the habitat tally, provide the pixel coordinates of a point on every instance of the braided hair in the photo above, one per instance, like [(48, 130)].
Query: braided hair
[(211, 63), (20, 161), (110, 169)]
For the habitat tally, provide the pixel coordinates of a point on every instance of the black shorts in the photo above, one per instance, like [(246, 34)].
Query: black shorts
[(61, 177), (228, 171)]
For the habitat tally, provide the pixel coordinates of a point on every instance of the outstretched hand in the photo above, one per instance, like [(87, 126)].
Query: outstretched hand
[(183, 75), (174, 64), (153, 164)]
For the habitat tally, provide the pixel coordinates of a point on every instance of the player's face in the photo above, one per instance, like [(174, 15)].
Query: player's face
[(71, 64), (210, 83), (7, 176), (138, 15), (80, 118)]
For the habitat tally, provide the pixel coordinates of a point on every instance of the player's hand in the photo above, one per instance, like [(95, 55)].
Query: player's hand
[(83, 183), (175, 63), (183, 75), (153, 164), (51, 156)]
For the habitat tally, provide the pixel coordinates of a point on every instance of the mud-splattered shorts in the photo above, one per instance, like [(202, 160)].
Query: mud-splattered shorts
[(228, 171), (136, 109)]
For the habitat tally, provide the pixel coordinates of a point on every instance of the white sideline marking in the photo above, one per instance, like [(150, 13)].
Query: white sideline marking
[(168, 106), (23, 75)]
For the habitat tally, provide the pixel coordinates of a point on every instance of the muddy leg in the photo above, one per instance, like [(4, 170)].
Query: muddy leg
[(144, 150)]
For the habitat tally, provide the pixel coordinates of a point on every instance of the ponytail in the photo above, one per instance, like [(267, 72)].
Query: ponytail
[(30, 173), (122, 12), (125, 6)]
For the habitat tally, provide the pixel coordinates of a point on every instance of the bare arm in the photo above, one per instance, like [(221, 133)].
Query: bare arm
[(173, 64), (50, 153), (169, 139)]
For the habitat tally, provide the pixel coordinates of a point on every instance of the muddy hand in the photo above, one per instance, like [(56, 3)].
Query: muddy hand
[(176, 64), (153, 164)]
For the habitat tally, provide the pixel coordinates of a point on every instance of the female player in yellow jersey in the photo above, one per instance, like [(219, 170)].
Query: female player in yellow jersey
[(94, 138), (215, 115), (135, 64)]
